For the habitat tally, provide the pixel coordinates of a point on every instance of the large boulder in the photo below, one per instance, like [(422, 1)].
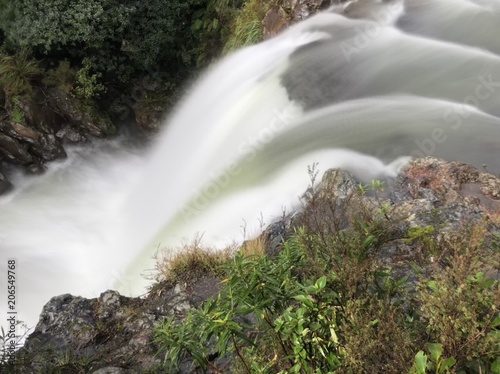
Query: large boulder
[(14, 151)]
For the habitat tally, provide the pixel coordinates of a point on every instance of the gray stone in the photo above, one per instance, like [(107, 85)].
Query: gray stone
[(111, 370), (88, 120), (13, 151)]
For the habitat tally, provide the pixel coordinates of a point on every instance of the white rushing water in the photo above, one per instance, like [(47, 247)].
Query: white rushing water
[(361, 87)]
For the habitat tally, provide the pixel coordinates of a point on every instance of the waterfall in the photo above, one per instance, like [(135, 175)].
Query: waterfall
[(362, 86)]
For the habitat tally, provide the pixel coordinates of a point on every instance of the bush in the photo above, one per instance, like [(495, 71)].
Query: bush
[(460, 303), (87, 83), (17, 73)]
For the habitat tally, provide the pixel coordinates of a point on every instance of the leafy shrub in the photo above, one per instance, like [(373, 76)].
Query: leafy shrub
[(460, 303), (87, 83), (17, 72)]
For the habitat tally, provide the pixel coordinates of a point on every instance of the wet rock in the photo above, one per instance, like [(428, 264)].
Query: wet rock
[(427, 192), (275, 21), (148, 116), (13, 151), (86, 118), (36, 169), (70, 134), (108, 334), (5, 185), (43, 146), (450, 183), (288, 12)]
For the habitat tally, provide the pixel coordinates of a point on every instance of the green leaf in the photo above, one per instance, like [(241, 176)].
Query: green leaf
[(436, 351), (321, 283), (415, 268), (446, 364), (375, 322), (480, 276), (333, 336), (432, 285), (304, 299), (199, 359), (495, 366), (496, 321), (368, 241), (487, 283), (420, 362)]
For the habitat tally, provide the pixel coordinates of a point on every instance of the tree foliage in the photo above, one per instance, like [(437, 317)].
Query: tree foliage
[(116, 37), (113, 44)]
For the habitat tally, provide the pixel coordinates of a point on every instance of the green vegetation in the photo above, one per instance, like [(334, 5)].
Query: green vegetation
[(247, 29), (191, 263), (119, 53), (16, 114), (17, 73), (330, 302)]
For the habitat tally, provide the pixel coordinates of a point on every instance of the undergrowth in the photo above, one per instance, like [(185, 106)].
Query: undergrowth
[(247, 26), (329, 302)]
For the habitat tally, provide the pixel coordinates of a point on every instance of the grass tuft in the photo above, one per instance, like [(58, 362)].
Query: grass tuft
[(193, 261)]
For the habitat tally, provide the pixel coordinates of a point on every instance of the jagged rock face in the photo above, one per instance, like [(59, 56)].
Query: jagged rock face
[(114, 333)]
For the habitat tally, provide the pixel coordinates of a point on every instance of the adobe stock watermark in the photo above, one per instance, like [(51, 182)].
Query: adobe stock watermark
[(246, 153), (485, 88), (370, 31)]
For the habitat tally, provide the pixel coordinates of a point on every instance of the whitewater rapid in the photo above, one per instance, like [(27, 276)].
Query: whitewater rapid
[(361, 87)]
